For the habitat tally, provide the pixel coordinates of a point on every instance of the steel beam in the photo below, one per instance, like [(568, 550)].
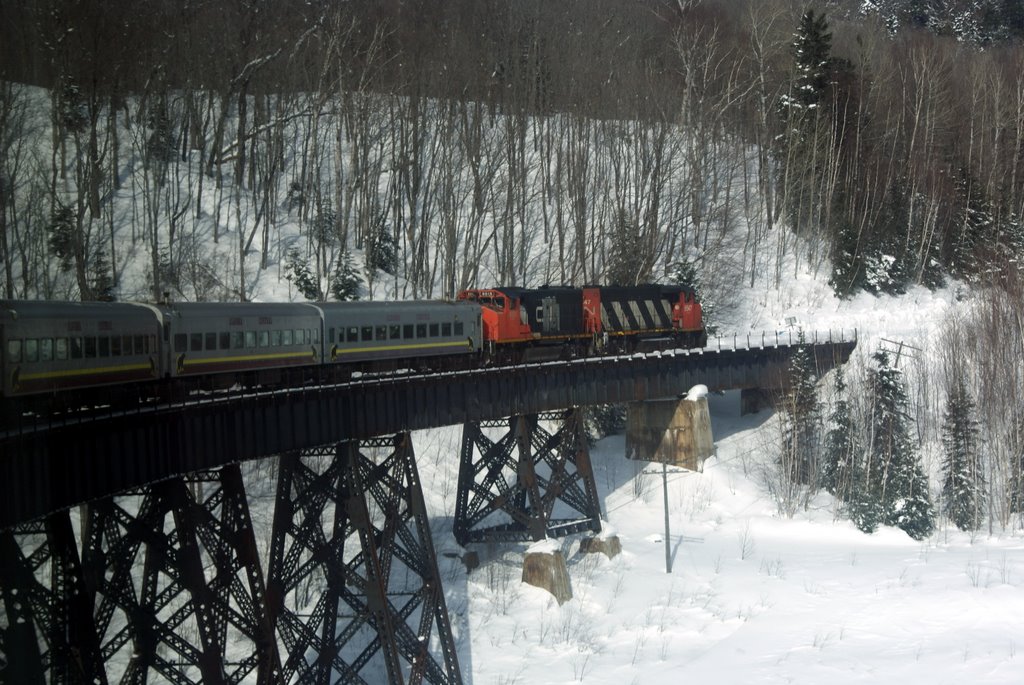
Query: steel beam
[(377, 563), (509, 488)]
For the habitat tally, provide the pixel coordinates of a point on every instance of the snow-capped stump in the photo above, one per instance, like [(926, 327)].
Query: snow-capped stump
[(544, 567)]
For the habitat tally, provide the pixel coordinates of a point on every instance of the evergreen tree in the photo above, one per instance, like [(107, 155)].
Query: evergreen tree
[(62, 233), (802, 147), (298, 272), (382, 252), (840, 453), (963, 487), (894, 467), (812, 52), (345, 283), (102, 281), (687, 273), (864, 506), (801, 446), (627, 262), (601, 420)]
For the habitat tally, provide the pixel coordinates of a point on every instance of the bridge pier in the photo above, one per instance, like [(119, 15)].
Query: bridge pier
[(378, 564), (508, 488)]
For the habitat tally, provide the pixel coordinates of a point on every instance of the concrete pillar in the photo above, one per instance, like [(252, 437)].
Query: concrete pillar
[(675, 431)]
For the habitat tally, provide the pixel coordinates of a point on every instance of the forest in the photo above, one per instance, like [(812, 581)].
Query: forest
[(886, 142), (196, 150)]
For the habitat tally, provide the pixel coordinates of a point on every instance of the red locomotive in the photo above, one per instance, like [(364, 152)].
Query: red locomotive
[(555, 321)]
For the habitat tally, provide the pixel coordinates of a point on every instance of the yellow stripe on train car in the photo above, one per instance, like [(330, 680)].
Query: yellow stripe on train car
[(93, 371), (246, 358), (394, 348)]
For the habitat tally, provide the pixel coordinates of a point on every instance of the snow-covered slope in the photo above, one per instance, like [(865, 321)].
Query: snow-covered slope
[(752, 597)]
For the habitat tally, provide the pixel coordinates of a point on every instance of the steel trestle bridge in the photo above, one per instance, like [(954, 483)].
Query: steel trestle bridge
[(164, 585)]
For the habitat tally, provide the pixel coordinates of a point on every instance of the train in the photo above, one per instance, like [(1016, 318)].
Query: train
[(68, 353)]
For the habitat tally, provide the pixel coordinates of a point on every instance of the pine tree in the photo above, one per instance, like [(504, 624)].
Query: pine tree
[(345, 282), (840, 453), (382, 252), (801, 446), (812, 52), (102, 281), (963, 487), (62, 232), (895, 471), (627, 262), (297, 271)]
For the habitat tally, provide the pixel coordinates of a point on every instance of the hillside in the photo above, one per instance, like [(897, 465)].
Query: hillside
[(753, 596)]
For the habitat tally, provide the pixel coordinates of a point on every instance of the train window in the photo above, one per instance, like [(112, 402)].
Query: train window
[(435, 330), (76, 348), (446, 330), (275, 338), (287, 338), (140, 345), (60, 349), (367, 333), (90, 348), (46, 350), (196, 342), (395, 332), (126, 346), (458, 328), (539, 316), (31, 350), (225, 341), (316, 336), (352, 335), (180, 342), (211, 341), (13, 351), (330, 334), (264, 338), (382, 333), (237, 340), (115, 346), (421, 330), (299, 338), (104, 346), (250, 339)]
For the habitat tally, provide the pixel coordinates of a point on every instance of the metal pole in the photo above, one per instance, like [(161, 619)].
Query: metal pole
[(668, 541)]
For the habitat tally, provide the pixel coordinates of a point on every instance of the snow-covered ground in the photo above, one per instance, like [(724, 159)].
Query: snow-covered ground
[(753, 596)]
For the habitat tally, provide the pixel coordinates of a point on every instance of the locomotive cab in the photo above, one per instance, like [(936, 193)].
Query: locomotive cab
[(504, 318)]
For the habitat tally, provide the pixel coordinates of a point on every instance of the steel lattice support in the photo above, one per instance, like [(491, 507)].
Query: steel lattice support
[(510, 491), (47, 633), (177, 580), (353, 585), (169, 578)]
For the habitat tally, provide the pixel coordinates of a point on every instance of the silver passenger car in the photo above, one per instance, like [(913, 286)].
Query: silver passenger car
[(366, 331)]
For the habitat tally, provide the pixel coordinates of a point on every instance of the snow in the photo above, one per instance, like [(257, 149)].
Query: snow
[(697, 392), (545, 546), (753, 596)]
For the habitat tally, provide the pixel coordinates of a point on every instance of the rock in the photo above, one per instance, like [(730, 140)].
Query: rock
[(609, 546)]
